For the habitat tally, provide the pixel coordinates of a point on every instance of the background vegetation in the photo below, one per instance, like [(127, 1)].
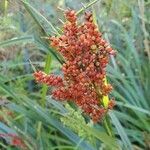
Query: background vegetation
[(41, 122)]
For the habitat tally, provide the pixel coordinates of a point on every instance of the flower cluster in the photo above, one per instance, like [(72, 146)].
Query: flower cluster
[(86, 56)]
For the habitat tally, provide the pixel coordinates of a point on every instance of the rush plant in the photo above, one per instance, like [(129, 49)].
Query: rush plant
[(72, 108)]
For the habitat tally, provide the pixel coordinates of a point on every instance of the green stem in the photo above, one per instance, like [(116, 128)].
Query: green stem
[(45, 87), (107, 126), (5, 7), (87, 6), (44, 91), (3, 146)]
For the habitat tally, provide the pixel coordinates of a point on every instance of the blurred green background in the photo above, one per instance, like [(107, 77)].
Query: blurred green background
[(24, 28)]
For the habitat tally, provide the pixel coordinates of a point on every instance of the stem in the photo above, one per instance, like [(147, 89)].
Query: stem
[(87, 6), (45, 87), (4, 146), (108, 126), (5, 8), (39, 128), (44, 91), (145, 33)]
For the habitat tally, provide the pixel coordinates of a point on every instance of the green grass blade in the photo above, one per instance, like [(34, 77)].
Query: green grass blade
[(126, 141), (40, 19), (13, 41), (132, 107)]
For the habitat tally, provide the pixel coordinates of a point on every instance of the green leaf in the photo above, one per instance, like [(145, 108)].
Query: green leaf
[(126, 141), (25, 39), (43, 116), (132, 107), (40, 19)]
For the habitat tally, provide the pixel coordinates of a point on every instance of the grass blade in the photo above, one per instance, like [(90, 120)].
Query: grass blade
[(25, 39), (126, 142)]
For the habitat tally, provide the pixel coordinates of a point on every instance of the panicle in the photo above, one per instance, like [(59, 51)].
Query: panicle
[(86, 56)]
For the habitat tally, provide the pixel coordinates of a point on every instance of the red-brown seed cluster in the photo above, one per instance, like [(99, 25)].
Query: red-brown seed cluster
[(86, 56), (50, 80), (15, 140)]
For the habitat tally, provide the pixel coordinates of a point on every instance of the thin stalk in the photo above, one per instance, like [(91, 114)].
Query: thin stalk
[(45, 87), (108, 126), (87, 6), (39, 128), (5, 8), (143, 26), (44, 91), (3, 146)]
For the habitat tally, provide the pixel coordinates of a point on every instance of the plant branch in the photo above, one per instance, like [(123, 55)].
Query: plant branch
[(85, 7)]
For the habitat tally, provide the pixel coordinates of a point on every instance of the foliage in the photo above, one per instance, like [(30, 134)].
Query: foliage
[(43, 123)]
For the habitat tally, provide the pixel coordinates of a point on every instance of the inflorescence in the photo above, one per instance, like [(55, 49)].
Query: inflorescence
[(86, 56)]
